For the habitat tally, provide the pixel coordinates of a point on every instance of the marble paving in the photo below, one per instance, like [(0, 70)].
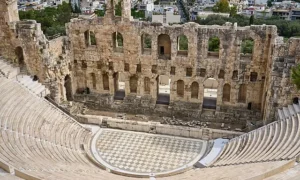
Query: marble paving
[(147, 153)]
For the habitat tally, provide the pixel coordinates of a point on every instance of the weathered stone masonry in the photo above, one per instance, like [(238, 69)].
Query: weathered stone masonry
[(108, 59)]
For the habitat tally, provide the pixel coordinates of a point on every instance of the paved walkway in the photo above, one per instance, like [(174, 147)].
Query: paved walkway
[(142, 153)]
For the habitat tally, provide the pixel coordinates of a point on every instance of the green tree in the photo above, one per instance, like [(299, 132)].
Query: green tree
[(213, 44), (233, 11), (251, 20), (269, 3), (222, 6), (296, 76), (183, 43), (247, 46)]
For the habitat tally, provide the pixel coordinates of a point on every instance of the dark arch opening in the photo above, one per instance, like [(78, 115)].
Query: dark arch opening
[(20, 57), (68, 88)]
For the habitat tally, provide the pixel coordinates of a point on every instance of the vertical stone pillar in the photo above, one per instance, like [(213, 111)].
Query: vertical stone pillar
[(127, 85), (111, 83), (126, 10)]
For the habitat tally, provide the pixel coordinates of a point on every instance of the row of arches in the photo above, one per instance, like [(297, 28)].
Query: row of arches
[(163, 87), (164, 44)]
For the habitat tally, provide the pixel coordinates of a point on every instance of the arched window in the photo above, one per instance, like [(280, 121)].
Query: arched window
[(92, 38), (226, 93), (194, 90), (182, 45), (213, 46), (221, 74), (118, 8), (242, 93), (117, 42), (105, 80), (133, 84), (164, 46), (253, 76), (146, 44), (68, 88), (20, 56), (247, 46), (147, 85), (180, 88), (89, 38), (93, 77)]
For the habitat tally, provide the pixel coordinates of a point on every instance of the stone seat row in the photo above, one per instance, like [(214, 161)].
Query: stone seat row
[(7, 69), (276, 141), (38, 139)]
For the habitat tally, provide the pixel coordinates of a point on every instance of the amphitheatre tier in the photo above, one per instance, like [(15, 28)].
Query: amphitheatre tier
[(143, 154)]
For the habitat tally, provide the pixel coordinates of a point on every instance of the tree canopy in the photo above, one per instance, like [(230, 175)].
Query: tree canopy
[(222, 6), (52, 19), (284, 28)]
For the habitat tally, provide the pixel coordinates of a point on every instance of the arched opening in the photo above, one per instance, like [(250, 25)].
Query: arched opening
[(247, 46), (182, 45), (147, 85), (226, 93), (163, 90), (94, 81), (68, 88), (87, 38), (105, 81), (242, 93), (221, 74), (253, 76), (117, 42), (119, 84), (210, 93), (235, 75), (20, 57), (180, 88), (118, 8), (133, 81), (146, 44), (213, 46), (164, 46), (92, 39), (194, 90)]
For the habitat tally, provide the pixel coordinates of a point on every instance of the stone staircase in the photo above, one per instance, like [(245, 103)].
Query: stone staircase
[(9, 71)]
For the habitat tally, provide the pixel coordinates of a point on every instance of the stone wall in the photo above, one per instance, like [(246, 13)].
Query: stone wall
[(93, 63)]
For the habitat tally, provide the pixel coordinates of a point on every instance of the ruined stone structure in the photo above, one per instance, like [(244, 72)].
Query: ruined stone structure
[(107, 64)]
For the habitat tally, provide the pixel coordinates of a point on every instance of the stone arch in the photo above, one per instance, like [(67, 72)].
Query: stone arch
[(253, 76), (163, 89), (68, 88), (105, 81), (213, 46), (210, 93), (20, 56), (117, 41), (226, 93), (180, 88), (92, 38), (164, 46), (182, 45), (194, 90), (118, 8), (146, 43), (147, 85), (133, 84), (242, 93), (94, 81), (221, 74), (247, 46), (119, 84)]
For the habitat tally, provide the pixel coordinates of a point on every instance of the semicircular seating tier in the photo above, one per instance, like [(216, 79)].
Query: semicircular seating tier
[(279, 140)]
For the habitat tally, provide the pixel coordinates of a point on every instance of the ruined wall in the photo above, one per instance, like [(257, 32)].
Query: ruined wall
[(93, 63), (281, 91)]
